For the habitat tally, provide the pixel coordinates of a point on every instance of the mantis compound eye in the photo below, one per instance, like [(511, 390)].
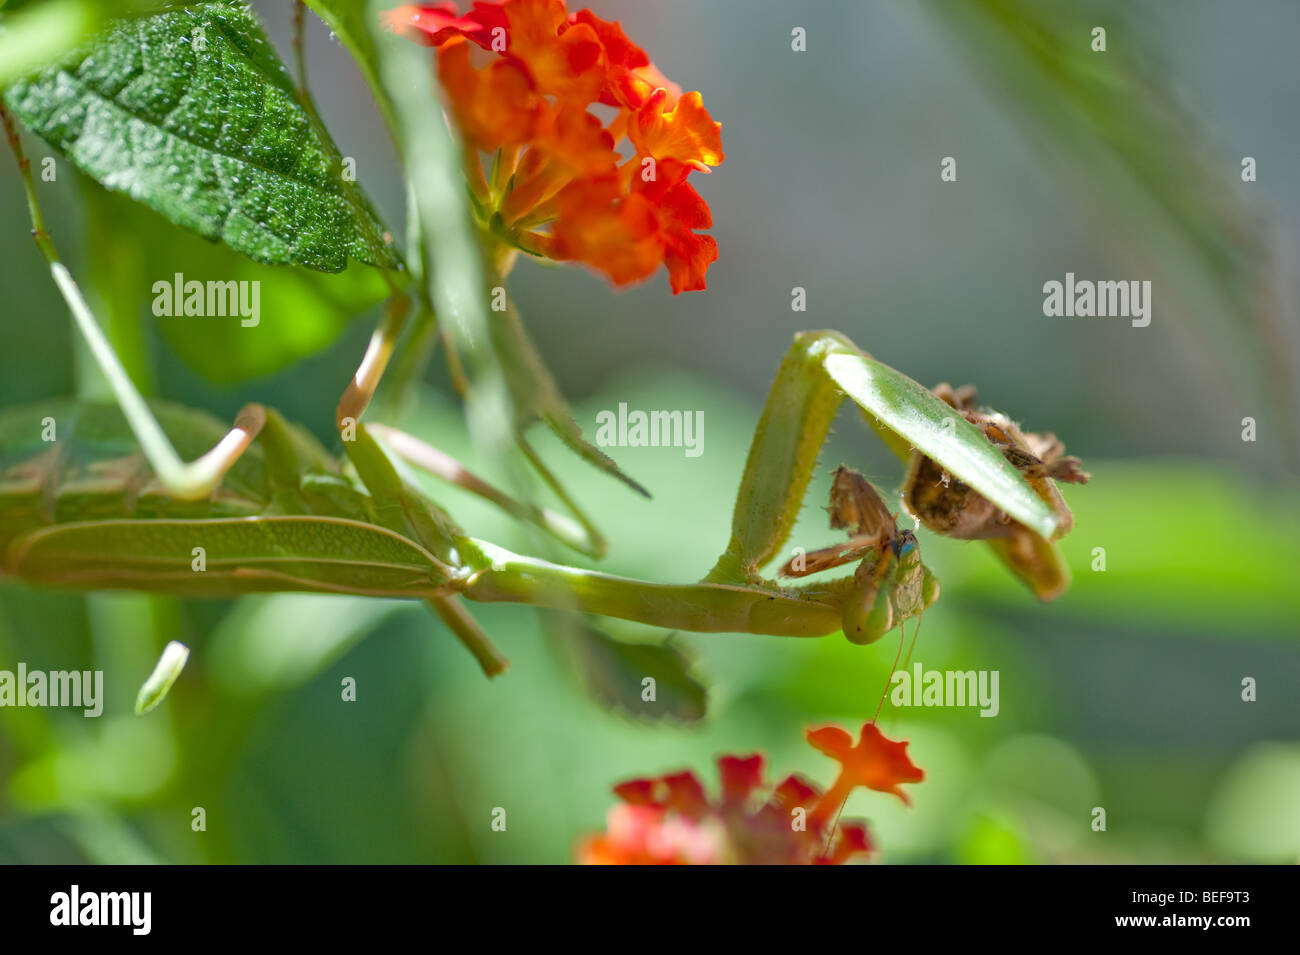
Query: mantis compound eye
[(904, 545)]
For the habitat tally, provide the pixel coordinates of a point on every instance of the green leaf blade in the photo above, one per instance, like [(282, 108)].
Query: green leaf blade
[(909, 409), (192, 113), (617, 674), (302, 312)]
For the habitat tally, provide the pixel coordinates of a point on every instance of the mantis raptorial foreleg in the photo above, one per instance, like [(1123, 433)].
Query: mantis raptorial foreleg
[(186, 481), (891, 584), (791, 431)]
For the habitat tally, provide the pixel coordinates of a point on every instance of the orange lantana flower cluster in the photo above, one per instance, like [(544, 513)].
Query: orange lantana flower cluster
[(521, 77), (670, 820)]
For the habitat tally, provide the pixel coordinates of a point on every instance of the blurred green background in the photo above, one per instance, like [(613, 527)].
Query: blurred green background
[(1125, 694)]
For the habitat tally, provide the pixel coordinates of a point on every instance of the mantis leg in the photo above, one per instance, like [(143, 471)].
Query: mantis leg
[(402, 508), (818, 371), (466, 629), (186, 481), (357, 395), (579, 534), (836, 555)]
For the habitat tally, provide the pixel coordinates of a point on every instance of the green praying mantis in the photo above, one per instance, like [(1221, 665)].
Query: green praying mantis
[(82, 506)]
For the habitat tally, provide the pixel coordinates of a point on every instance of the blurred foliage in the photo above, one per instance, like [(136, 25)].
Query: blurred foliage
[(37, 32)]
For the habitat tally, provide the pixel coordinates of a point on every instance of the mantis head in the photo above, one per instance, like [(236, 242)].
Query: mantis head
[(890, 583), (889, 586)]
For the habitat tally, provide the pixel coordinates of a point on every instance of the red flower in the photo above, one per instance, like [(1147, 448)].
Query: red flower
[(671, 820), (561, 185)]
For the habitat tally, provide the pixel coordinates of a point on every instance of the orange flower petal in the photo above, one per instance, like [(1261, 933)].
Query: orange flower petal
[(685, 794), (618, 234), (875, 762), (679, 792), (834, 741), (576, 138), (571, 65), (794, 791), (685, 132), (571, 144), (638, 792), (623, 86), (494, 106), (688, 258), (620, 50), (631, 87)]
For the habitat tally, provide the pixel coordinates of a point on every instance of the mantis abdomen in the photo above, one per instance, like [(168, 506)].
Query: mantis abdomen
[(80, 507), (65, 462)]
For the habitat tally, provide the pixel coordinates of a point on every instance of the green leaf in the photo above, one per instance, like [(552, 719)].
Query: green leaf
[(300, 312), (909, 409), (614, 672), (192, 113)]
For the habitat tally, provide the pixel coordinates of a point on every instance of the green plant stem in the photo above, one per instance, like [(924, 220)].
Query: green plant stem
[(299, 60), (39, 232), (453, 269)]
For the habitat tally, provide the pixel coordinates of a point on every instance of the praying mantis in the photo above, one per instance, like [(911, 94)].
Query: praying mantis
[(88, 510)]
